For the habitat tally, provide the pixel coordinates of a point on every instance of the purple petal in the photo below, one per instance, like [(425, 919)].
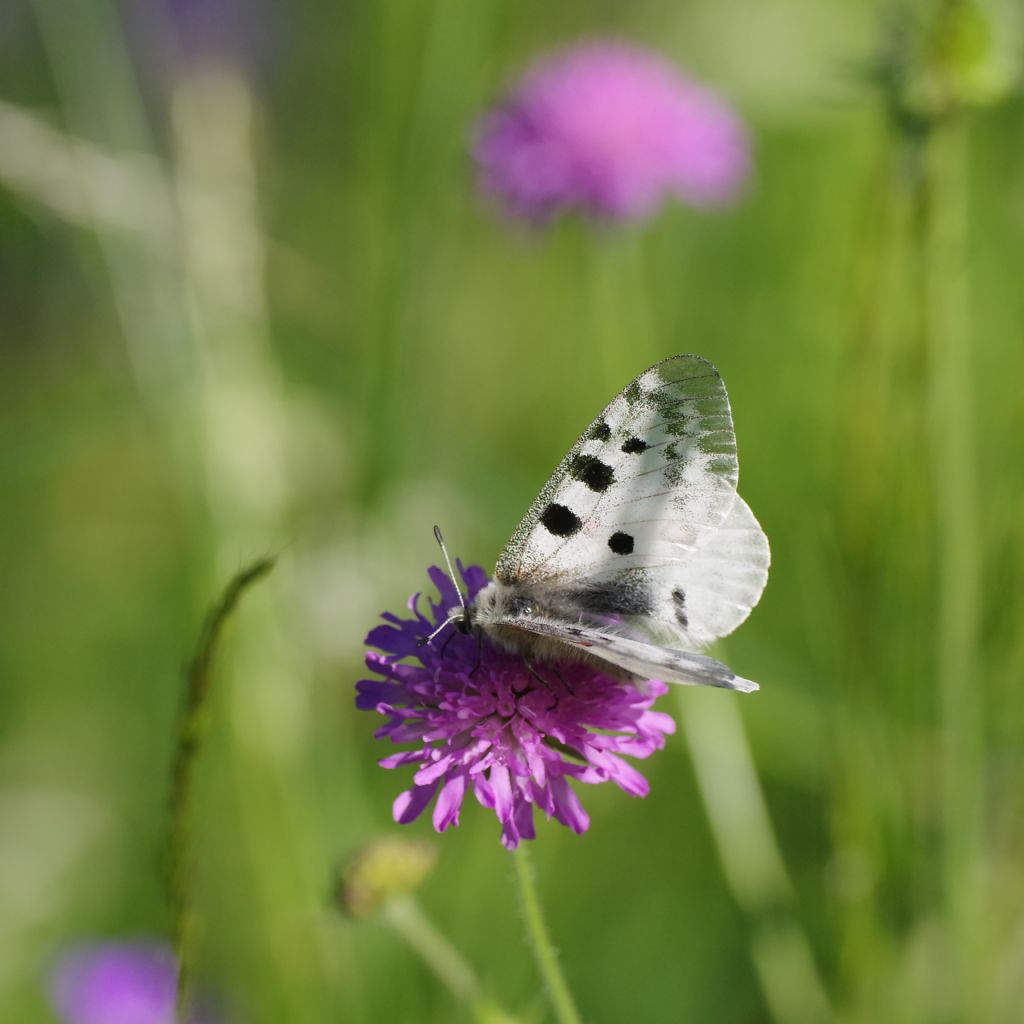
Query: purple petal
[(484, 792), (640, 748), (446, 810), (445, 588), (538, 768), (473, 576), (502, 787), (628, 779), (371, 692), (543, 797), (519, 826), (405, 757), (657, 721), (568, 809), (524, 820), (432, 772), (408, 806), (390, 639)]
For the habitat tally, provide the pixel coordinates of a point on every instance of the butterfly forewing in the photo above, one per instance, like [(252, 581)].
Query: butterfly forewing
[(657, 467)]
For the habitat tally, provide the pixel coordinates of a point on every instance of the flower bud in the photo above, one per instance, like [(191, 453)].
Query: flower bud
[(381, 871)]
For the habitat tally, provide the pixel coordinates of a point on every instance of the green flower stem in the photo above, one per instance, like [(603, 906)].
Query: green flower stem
[(945, 330), (406, 917), (540, 940), (451, 968), (191, 730)]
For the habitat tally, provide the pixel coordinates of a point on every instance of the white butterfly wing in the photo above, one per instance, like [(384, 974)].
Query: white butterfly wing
[(640, 531), (659, 461), (695, 594), (648, 661)]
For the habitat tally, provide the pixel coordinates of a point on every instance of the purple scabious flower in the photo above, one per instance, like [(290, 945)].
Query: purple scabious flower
[(480, 721), (117, 983), (612, 130)]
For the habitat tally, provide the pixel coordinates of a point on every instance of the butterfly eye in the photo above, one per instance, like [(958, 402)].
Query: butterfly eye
[(520, 606)]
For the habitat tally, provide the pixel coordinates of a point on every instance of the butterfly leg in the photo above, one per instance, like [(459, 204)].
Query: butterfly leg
[(540, 679), (447, 641), (563, 680), (479, 652)]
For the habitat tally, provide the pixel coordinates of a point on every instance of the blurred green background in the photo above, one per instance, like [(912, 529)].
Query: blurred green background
[(251, 303)]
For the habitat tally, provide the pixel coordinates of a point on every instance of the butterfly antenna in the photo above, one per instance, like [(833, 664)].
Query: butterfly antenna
[(451, 571), (464, 616), (424, 640)]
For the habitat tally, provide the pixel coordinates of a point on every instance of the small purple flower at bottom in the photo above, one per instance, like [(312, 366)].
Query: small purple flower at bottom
[(482, 722), (612, 130), (117, 983)]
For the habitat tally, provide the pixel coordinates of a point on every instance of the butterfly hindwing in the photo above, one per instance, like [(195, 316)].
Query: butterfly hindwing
[(645, 660), (661, 457), (691, 594)]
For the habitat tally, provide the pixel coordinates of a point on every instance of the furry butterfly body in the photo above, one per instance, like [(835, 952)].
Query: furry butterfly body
[(638, 550)]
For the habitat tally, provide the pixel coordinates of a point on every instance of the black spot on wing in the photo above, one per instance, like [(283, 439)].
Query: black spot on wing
[(600, 431), (634, 445), (560, 521), (621, 543), (679, 600), (590, 470)]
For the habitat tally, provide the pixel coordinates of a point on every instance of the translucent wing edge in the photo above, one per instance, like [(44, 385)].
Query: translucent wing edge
[(648, 661)]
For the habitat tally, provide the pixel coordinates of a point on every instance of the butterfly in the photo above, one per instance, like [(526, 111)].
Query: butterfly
[(638, 550)]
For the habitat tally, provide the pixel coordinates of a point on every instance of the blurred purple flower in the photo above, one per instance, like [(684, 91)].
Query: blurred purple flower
[(117, 983), (481, 722), (176, 35), (610, 129), (204, 28)]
